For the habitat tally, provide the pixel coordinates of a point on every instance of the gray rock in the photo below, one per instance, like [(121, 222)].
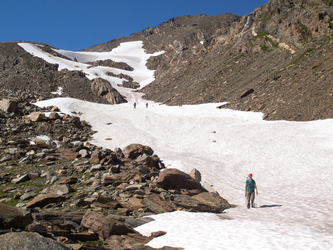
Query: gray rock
[(13, 217), (27, 196), (84, 153), (97, 167), (135, 186), (28, 241), (195, 174), (136, 222), (5, 158), (11, 150), (21, 178), (26, 160), (61, 189)]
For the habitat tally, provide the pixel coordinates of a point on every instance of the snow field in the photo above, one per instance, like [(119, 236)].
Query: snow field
[(290, 161)]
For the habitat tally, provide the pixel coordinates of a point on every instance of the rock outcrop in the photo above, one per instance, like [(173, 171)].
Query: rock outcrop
[(104, 89)]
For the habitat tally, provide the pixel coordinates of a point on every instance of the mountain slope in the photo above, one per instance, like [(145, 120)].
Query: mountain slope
[(281, 54), (25, 76), (276, 60)]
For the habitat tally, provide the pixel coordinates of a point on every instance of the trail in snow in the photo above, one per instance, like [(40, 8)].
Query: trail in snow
[(291, 162)]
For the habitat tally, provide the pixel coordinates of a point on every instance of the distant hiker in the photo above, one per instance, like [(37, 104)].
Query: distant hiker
[(250, 186), (146, 104), (134, 105)]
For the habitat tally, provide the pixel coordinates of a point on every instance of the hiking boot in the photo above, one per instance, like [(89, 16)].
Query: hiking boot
[(252, 205)]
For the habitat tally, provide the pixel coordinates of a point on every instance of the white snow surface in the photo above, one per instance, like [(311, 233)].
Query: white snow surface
[(292, 163)]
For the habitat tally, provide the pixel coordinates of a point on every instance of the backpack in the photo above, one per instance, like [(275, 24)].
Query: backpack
[(250, 185)]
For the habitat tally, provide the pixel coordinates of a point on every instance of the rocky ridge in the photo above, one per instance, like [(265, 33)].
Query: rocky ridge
[(276, 60), (58, 189), (27, 76)]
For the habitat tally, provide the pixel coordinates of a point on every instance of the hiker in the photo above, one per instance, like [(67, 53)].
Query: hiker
[(146, 104), (250, 186), (134, 105)]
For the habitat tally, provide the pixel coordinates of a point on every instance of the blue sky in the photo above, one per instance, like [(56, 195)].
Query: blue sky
[(78, 24)]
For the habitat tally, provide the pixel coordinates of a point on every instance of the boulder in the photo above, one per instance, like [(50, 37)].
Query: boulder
[(9, 106), (95, 157), (60, 189), (104, 226), (21, 178), (28, 240), (155, 204), (195, 174), (172, 178), (37, 116), (131, 203), (104, 89), (203, 202), (84, 153), (27, 196), (131, 241), (68, 180), (135, 222), (133, 151), (13, 217), (58, 216), (106, 202), (54, 116), (150, 161), (44, 199)]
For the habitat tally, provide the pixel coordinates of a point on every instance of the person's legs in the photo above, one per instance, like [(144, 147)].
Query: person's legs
[(248, 198), (252, 199)]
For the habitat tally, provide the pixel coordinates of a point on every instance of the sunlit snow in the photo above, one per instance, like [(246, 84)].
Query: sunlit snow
[(292, 163)]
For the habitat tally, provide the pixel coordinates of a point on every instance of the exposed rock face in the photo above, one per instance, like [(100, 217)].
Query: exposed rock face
[(104, 89), (23, 75)]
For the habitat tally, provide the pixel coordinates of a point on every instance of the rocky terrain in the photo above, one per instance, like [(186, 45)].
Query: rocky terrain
[(59, 189), (25, 76)]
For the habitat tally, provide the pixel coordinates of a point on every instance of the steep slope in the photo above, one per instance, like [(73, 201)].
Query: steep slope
[(25, 76), (277, 60)]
